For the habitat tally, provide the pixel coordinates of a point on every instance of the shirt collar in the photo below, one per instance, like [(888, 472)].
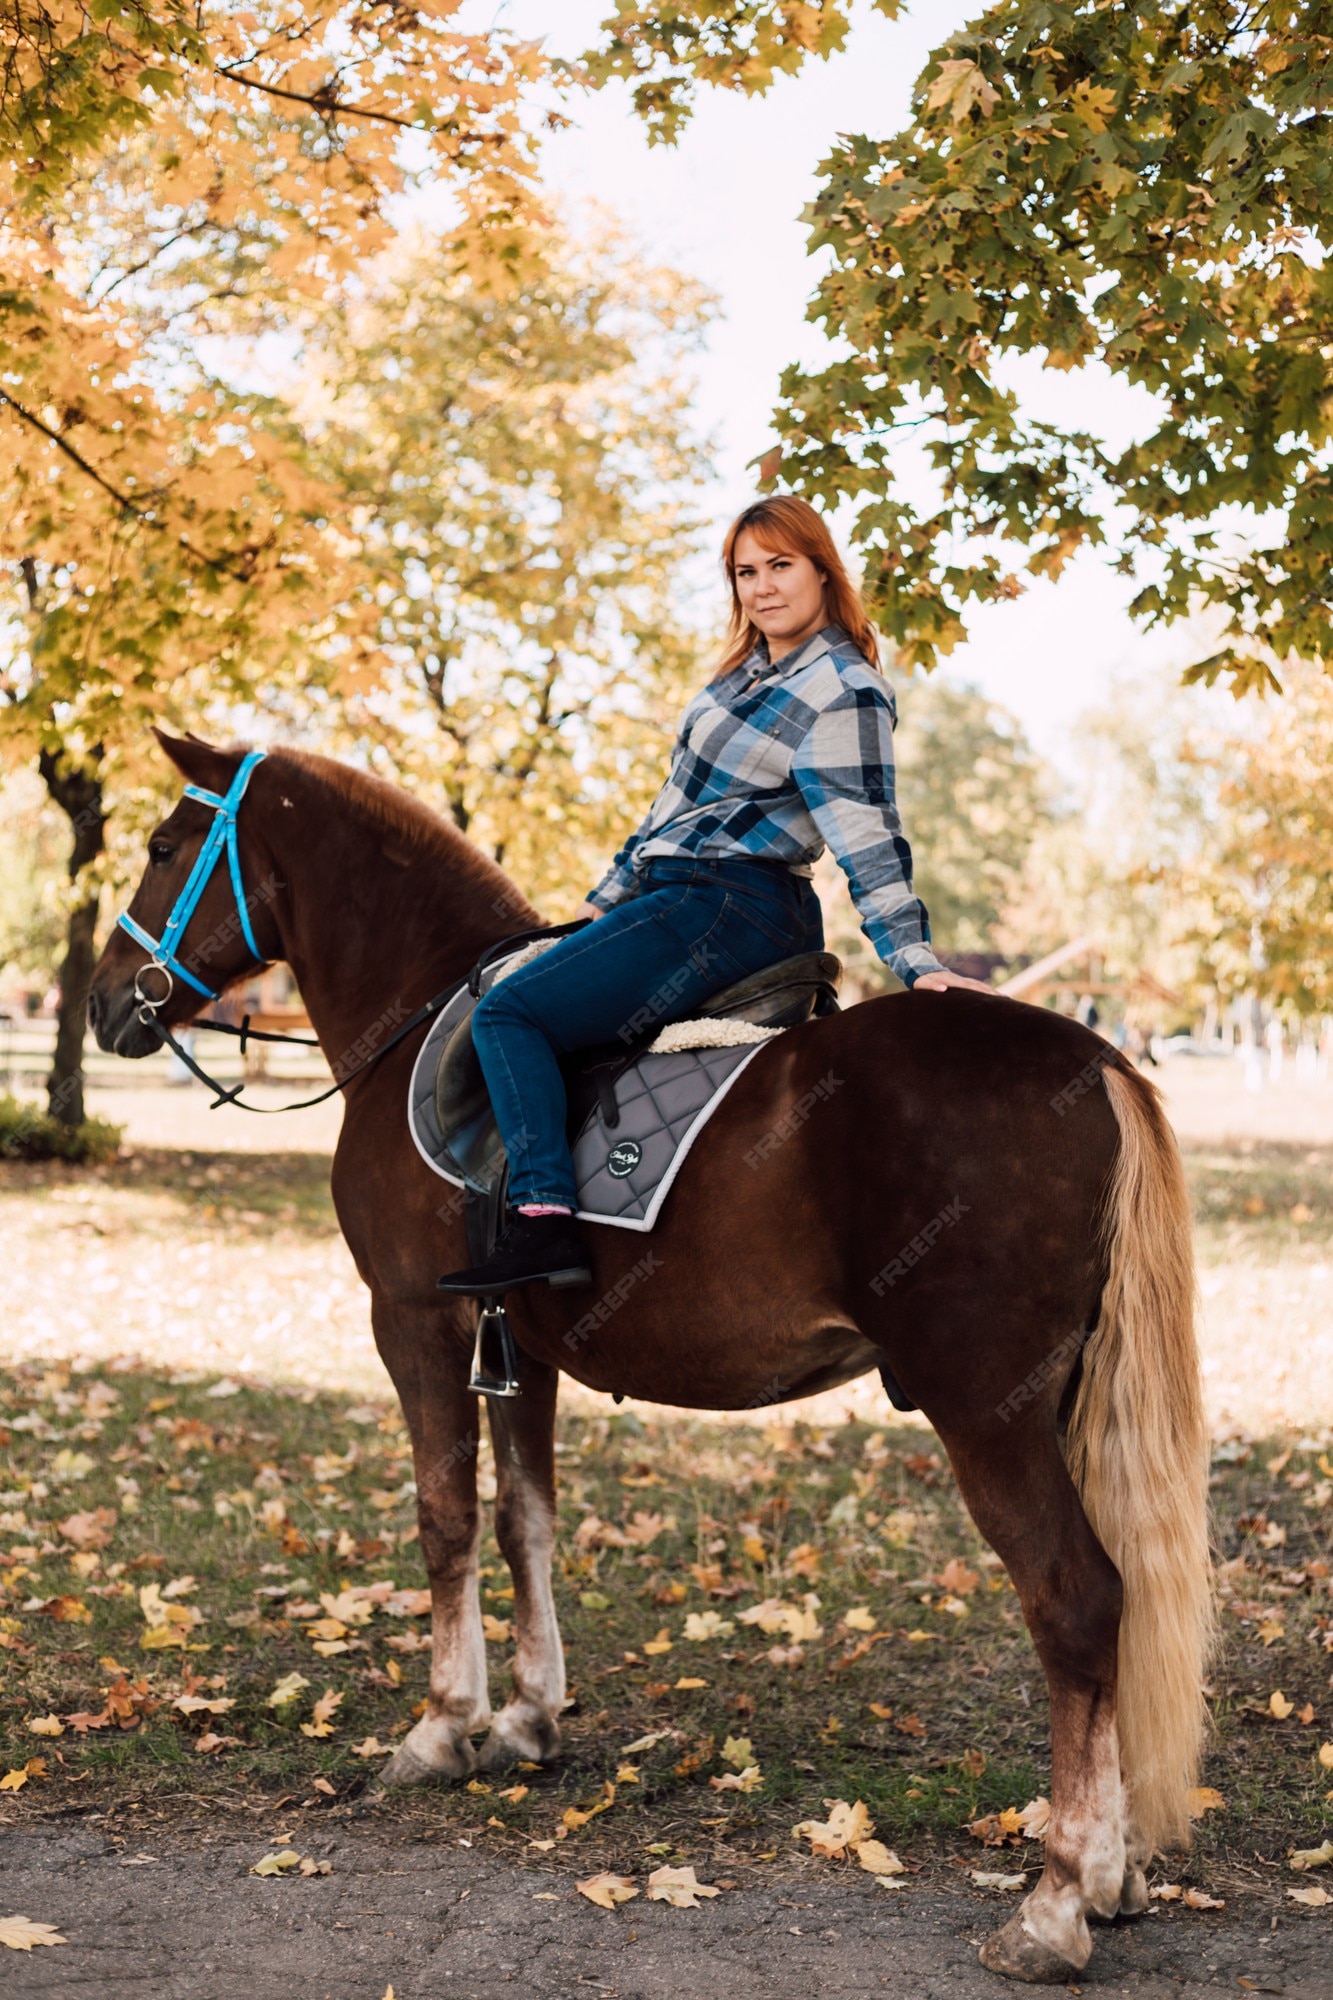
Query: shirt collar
[(763, 667)]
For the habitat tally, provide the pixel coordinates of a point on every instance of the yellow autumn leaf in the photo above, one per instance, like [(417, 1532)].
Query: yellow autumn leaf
[(738, 1751), (497, 1630), (877, 1859), (960, 85), (988, 1878), (371, 1747), (679, 1887), (287, 1690), (279, 1863), (859, 1619), (661, 1644), (690, 1681), (748, 1780), (1312, 1897), (1326, 1756), (14, 1781), (1203, 1799), (45, 1725), (1199, 1899), (607, 1890), (21, 1933), (1313, 1857), (846, 1826), (1279, 1706), (321, 1715)]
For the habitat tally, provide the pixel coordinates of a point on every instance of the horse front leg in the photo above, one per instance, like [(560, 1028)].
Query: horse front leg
[(523, 1435), (425, 1352)]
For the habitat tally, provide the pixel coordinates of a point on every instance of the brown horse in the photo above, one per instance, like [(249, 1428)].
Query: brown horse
[(979, 1192)]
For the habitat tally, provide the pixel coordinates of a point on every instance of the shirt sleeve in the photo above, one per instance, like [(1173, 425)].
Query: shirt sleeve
[(843, 768), (619, 883)]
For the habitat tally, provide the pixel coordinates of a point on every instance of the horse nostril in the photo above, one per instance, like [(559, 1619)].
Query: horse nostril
[(94, 1010)]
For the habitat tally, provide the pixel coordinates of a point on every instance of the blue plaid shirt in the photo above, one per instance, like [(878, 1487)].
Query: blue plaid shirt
[(776, 761)]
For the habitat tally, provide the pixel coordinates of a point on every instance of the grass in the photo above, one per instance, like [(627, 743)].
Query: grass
[(29, 1133), (234, 1521)]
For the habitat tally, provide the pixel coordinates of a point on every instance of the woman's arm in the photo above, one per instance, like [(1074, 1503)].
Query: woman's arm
[(844, 770)]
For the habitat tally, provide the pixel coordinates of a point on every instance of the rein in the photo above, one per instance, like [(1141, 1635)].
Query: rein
[(163, 958)]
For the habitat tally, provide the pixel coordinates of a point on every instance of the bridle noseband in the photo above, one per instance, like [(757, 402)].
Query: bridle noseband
[(221, 839)]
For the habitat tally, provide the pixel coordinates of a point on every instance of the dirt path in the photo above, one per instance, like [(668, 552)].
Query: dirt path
[(190, 1923)]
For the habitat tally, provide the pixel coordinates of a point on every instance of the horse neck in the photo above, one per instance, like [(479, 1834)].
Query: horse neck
[(374, 921)]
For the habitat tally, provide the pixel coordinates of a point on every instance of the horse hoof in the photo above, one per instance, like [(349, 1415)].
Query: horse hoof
[(408, 1767), (1016, 1954), (531, 1741), (1134, 1894)]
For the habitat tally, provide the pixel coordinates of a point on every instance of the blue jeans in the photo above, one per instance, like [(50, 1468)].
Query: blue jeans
[(696, 927)]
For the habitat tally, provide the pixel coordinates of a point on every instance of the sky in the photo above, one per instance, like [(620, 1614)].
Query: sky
[(725, 206)]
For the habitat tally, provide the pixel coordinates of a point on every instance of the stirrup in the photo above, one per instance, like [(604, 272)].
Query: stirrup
[(493, 1329)]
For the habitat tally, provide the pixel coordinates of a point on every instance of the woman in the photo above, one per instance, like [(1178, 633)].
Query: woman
[(788, 749)]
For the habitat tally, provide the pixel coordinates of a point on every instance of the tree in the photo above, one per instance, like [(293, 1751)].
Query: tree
[(520, 465), (158, 527), (1265, 877), (1145, 185)]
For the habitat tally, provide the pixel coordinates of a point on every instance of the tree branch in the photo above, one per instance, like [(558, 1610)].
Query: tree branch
[(122, 500)]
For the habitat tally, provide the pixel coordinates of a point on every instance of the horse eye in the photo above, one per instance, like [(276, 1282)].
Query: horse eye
[(160, 852)]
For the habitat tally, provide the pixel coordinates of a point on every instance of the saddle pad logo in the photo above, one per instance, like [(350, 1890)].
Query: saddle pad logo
[(623, 1158)]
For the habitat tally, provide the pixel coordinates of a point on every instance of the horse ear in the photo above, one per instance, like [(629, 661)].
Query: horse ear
[(202, 763)]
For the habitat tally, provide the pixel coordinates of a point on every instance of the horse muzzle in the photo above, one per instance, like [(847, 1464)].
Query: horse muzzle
[(115, 1015)]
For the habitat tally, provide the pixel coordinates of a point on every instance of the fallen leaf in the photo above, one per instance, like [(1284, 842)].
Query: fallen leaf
[(607, 1890), (1313, 1857), (1312, 1897), (1326, 1756), (679, 1887), (21, 1933), (497, 1630), (877, 1859), (1197, 1899), (884, 1714), (691, 1681), (738, 1751), (1166, 1892), (208, 1744), (1306, 1714), (748, 1780), (45, 1725), (287, 1690), (88, 1531), (1279, 1706), (309, 1866), (651, 1741), (280, 1863), (957, 1577), (1034, 1818), (859, 1619), (910, 1725), (1204, 1799), (987, 1878), (198, 1704), (321, 1723), (702, 1625), (845, 1827), (371, 1747)]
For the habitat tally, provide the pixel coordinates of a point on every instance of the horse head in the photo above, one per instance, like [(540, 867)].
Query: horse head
[(199, 920)]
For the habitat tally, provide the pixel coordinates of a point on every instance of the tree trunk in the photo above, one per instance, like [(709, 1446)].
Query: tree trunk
[(78, 793)]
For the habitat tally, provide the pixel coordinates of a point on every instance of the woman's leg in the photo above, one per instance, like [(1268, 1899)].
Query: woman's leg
[(646, 962)]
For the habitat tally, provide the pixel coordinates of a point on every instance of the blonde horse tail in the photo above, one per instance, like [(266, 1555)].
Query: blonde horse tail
[(1138, 1451)]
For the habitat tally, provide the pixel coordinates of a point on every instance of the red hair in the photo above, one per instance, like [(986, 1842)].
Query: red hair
[(787, 526)]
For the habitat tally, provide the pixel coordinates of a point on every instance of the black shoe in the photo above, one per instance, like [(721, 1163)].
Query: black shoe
[(529, 1247)]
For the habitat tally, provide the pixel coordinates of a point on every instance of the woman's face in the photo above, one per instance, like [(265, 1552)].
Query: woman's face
[(782, 594)]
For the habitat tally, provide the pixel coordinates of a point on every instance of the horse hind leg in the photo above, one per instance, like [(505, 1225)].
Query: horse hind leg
[(523, 1434), (1071, 1596)]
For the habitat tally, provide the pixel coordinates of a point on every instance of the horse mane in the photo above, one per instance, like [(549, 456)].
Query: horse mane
[(408, 821)]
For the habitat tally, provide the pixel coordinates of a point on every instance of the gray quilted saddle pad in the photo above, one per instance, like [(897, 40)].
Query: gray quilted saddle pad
[(624, 1172)]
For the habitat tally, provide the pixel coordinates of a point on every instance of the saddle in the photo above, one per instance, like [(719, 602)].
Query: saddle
[(780, 996)]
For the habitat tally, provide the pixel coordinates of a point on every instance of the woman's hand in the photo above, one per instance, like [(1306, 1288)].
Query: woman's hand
[(589, 910), (940, 982)]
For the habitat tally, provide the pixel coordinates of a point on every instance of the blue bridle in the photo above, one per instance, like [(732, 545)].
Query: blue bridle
[(221, 838)]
